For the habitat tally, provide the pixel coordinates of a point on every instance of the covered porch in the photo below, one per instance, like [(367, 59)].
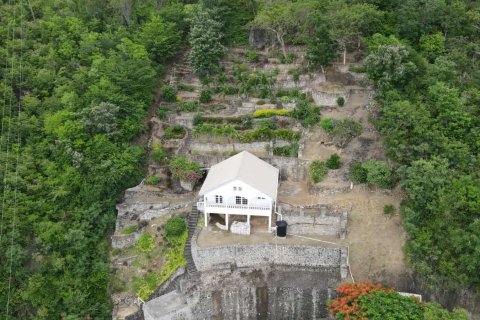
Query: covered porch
[(226, 214)]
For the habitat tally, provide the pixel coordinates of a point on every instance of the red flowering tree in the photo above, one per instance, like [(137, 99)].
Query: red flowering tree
[(346, 306)]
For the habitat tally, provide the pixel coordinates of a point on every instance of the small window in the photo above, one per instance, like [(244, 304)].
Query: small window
[(239, 188), (234, 188), (261, 198), (218, 199), (241, 200)]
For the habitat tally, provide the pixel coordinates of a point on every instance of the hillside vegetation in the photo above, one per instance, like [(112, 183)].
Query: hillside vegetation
[(78, 78)]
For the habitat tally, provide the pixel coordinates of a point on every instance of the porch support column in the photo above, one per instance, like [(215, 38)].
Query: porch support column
[(206, 219), (226, 220), (269, 222), (248, 218)]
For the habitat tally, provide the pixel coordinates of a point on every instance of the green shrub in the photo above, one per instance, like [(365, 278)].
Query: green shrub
[(290, 58), (358, 173), (286, 151), (145, 243), (228, 90), (333, 162), (153, 180), (184, 169), (185, 87), (175, 227), (373, 172), (129, 230), (378, 172), (388, 209), (327, 124), (169, 94), (307, 113), (205, 96), (318, 171), (340, 101), (158, 154), (260, 102), (174, 132), (252, 56), (247, 121), (188, 106), (295, 73), (265, 123), (162, 112), (266, 113), (358, 69), (342, 131), (197, 120)]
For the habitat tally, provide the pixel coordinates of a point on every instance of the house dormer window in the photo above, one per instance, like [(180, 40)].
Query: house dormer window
[(234, 188), (218, 199), (240, 200), (239, 188)]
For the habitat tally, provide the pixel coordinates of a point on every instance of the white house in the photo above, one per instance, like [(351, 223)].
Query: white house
[(240, 185)]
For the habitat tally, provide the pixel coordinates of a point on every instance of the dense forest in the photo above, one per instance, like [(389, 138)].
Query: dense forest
[(78, 77)]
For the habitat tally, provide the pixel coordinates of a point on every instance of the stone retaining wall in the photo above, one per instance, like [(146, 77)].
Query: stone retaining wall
[(258, 148), (317, 219), (293, 169), (243, 256)]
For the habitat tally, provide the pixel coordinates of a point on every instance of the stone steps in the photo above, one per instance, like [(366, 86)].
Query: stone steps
[(192, 226)]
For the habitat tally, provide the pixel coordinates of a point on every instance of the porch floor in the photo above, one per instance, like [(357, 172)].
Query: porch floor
[(217, 237)]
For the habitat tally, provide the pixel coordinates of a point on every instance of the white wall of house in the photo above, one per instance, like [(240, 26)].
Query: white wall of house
[(257, 203)]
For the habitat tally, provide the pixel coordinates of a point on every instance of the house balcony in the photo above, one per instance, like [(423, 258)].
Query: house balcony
[(230, 208)]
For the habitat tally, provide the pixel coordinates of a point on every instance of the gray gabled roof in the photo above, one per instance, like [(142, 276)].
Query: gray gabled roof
[(247, 168)]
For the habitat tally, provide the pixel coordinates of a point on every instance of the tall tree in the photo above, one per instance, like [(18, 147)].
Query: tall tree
[(206, 41)]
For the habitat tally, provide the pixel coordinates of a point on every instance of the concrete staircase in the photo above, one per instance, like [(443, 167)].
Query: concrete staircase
[(192, 226)]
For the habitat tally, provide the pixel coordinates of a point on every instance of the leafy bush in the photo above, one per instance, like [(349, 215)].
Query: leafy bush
[(184, 169), (340, 101), (175, 227), (267, 113), (252, 56), (185, 87), (265, 123), (205, 96), (342, 131), (162, 112), (388, 209), (179, 99), (129, 230), (174, 132), (286, 151), (290, 58), (169, 94), (333, 162), (145, 243), (260, 102), (188, 106), (327, 124), (318, 171), (373, 172), (153, 180), (378, 172), (158, 154), (197, 120), (295, 73), (358, 173), (228, 90), (307, 113)]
